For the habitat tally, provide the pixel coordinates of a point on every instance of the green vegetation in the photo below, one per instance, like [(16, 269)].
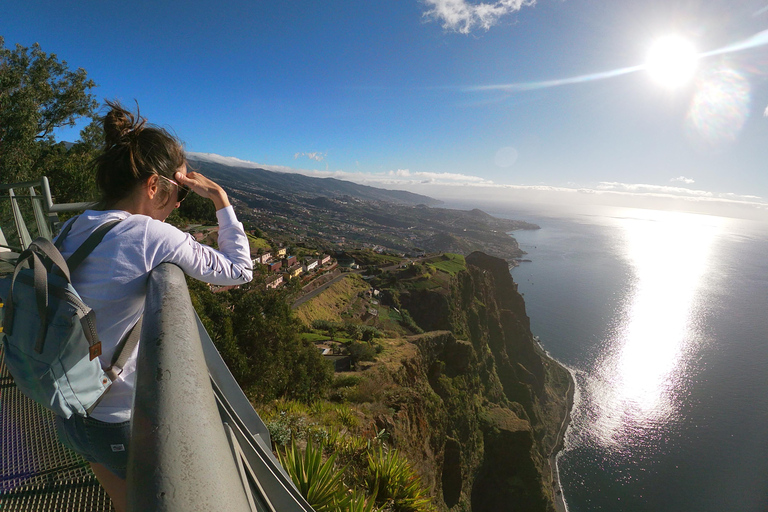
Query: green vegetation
[(396, 482), (39, 93), (258, 243), (259, 339), (314, 337), (351, 330), (319, 482), (194, 210), (333, 302), (449, 263), (365, 257), (335, 467), (361, 351)]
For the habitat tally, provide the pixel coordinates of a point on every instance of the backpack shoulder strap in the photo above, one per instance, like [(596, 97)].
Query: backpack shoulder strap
[(89, 245), (124, 350), (40, 285), (64, 232)]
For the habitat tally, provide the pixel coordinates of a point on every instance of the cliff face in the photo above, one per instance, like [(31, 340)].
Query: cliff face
[(482, 405)]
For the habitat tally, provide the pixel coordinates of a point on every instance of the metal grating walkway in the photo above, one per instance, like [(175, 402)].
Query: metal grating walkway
[(36, 472)]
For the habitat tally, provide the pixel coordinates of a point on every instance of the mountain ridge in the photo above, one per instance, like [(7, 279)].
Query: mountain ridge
[(258, 179)]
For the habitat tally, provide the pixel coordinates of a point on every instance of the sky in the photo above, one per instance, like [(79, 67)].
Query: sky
[(516, 100)]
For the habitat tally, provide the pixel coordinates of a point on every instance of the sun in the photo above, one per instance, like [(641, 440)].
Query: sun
[(672, 61)]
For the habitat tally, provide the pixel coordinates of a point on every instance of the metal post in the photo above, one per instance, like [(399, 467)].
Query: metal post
[(21, 227), (180, 458), (43, 228)]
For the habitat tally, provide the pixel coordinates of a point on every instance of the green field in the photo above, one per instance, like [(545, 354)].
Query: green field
[(448, 262), (314, 337), (258, 243), (368, 257)]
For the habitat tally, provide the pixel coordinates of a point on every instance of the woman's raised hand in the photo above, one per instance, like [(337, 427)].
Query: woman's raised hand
[(204, 187)]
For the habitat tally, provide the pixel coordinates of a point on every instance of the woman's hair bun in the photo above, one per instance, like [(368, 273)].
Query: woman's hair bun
[(119, 123), (134, 151)]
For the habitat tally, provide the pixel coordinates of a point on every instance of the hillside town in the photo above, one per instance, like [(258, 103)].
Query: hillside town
[(275, 263)]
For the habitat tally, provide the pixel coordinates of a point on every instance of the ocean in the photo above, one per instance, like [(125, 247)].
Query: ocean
[(663, 319)]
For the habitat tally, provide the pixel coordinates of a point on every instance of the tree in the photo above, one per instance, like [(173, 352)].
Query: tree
[(38, 94), (214, 312), (353, 331), (279, 362)]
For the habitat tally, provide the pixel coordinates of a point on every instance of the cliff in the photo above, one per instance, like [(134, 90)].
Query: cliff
[(478, 407)]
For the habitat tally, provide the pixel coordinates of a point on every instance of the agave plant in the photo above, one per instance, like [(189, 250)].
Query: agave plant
[(318, 408), (358, 502), (395, 482), (319, 482), (347, 417)]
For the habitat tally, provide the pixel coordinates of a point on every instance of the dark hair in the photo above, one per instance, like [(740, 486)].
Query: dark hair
[(133, 151)]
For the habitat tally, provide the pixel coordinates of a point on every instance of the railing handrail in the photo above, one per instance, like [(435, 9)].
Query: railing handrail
[(47, 197), (180, 458), (196, 441), (45, 212)]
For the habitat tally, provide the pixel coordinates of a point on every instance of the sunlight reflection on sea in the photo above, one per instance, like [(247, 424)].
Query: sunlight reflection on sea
[(634, 386)]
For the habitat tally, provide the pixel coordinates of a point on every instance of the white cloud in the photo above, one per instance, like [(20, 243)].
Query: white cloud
[(683, 179), (462, 16), (643, 188), (312, 156), (224, 160), (437, 176)]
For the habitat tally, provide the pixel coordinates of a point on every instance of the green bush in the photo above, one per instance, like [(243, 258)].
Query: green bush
[(347, 417), (369, 333), (354, 331), (344, 381), (408, 322), (361, 351)]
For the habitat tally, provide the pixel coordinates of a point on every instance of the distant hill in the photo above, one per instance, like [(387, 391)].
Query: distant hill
[(268, 183), (334, 215)]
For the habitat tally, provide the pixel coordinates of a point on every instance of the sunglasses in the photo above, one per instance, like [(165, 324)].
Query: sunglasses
[(182, 191)]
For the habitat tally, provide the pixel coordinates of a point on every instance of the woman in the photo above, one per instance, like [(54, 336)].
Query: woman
[(142, 175)]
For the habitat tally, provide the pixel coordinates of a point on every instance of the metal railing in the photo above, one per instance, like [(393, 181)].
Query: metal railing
[(44, 211), (196, 442)]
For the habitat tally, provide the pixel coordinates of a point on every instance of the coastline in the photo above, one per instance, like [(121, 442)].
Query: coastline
[(559, 499)]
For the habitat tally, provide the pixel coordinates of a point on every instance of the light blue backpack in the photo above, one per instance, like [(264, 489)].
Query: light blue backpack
[(49, 334)]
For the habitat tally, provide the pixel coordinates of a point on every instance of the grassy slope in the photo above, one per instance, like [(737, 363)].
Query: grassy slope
[(258, 243), (333, 303)]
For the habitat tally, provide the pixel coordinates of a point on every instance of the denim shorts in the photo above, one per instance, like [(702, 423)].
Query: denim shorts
[(97, 441)]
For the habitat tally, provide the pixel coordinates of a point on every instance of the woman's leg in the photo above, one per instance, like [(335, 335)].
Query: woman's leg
[(114, 485)]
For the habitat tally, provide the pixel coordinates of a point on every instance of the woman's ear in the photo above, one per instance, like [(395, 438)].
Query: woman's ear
[(152, 186)]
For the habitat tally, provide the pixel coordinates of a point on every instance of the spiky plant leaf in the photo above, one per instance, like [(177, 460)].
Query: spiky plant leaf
[(319, 482), (396, 482)]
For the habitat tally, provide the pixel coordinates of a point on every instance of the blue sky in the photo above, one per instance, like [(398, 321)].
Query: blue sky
[(396, 93)]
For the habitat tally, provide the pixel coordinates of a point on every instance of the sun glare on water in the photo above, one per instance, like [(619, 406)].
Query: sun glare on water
[(659, 328), (671, 61)]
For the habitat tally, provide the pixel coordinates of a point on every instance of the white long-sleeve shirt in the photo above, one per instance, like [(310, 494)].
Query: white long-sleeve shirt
[(112, 280)]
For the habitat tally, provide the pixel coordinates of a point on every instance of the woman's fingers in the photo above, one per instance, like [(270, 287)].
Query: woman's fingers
[(204, 187), (198, 183)]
